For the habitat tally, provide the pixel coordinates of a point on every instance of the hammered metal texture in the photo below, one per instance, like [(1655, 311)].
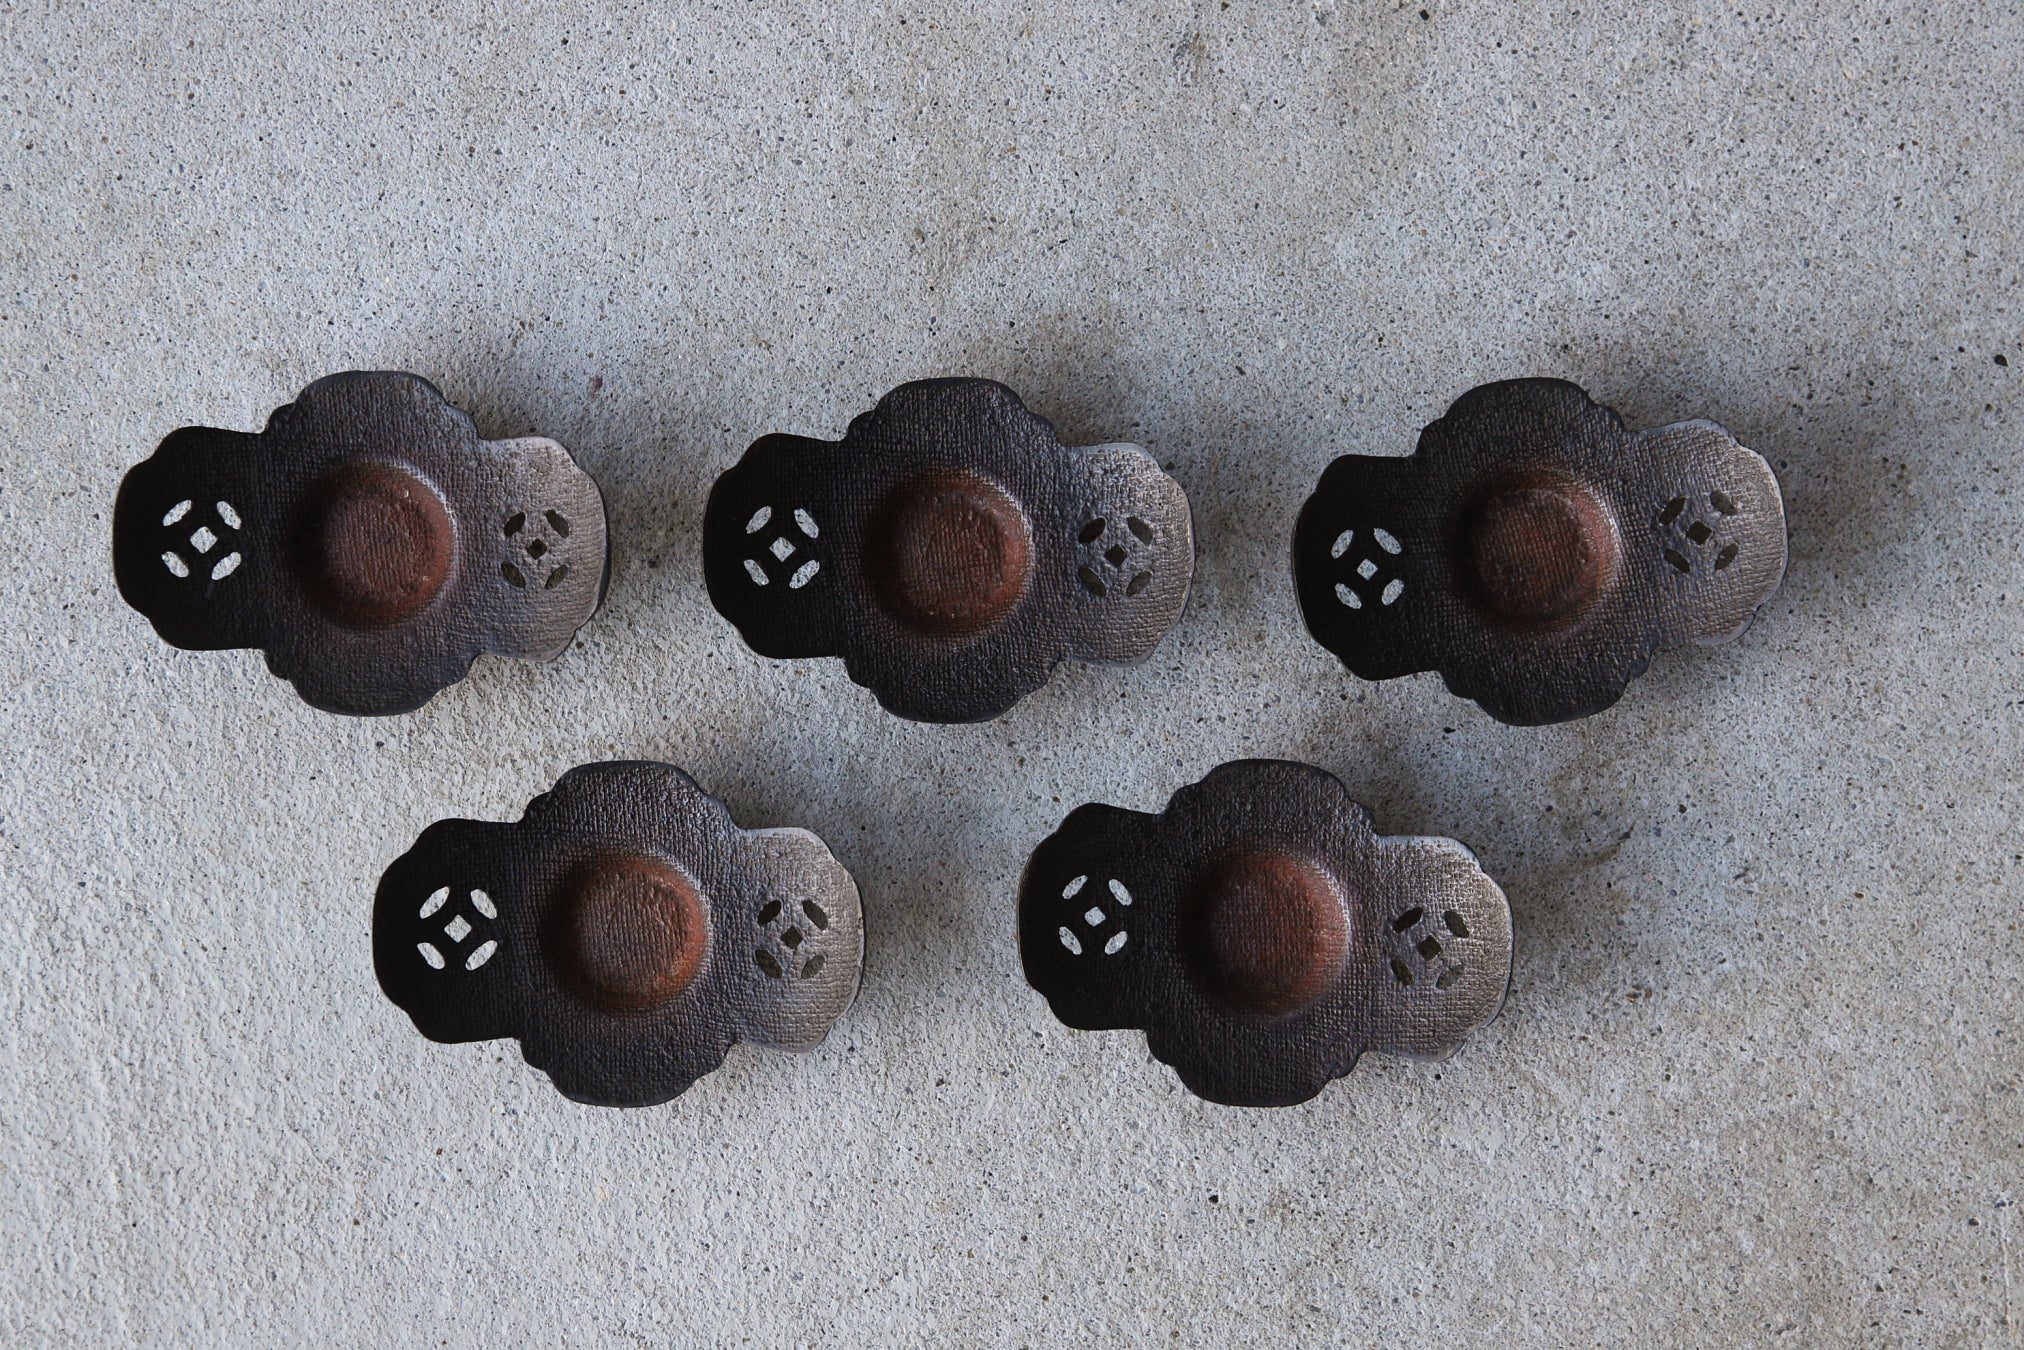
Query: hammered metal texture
[(1536, 553), (950, 549), (1125, 919), (368, 540), (472, 933)]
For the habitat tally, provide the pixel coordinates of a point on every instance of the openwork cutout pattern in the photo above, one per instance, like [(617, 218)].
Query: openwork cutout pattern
[(1694, 535), (1117, 557), (1535, 552), (204, 551), (790, 939), (458, 927), (1428, 946), (1274, 935), (1095, 929), (1368, 571), (786, 554), (536, 559), (625, 931)]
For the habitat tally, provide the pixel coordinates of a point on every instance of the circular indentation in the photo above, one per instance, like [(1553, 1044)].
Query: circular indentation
[(949, 552), (373, 544), (1268, 930), (630, 932), (1539, 549)]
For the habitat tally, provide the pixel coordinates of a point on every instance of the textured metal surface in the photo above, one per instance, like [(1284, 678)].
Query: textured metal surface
[(950, 549), (624, 930), (1758, 1078), (1262, 933), (1535, 553), (367, 540)]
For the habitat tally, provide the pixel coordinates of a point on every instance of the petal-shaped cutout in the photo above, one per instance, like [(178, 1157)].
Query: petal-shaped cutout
[(754, 548), (1718, 521), (804, 929), (1447, 957), (184, 493), (428, 924), (1068, 917), (1135, 557)]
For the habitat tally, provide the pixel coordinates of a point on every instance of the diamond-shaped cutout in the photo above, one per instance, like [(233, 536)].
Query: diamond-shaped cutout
[(781, 547), (791, 939), (1366, 569), (458, 928), (1117, 554), (1699, 532), (1093, 917), (203, 539)]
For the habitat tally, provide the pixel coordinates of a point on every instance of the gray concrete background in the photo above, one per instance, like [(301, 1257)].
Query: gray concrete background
[(1757, 1081)]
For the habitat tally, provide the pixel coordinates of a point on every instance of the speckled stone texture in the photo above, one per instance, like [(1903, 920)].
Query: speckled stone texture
[(1758, 1078)]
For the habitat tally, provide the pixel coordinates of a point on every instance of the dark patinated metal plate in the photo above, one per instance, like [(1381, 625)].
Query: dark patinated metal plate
[(367, 540), (950, 549), (1262, 933), (1536, 553), (624, 930)]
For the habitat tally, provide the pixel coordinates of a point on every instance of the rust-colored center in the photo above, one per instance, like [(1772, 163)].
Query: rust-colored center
[(374, 544), (631, 932), (1539, 550), (1268, 930), (949, 553)]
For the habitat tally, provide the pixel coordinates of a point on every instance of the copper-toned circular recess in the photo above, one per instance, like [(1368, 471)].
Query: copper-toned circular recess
[(1268, 930), (374, 544), (949, 553), (630, 932), (1536, 551)]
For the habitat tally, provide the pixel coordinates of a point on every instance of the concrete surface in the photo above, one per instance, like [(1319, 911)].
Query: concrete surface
[(1757, 1082)]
